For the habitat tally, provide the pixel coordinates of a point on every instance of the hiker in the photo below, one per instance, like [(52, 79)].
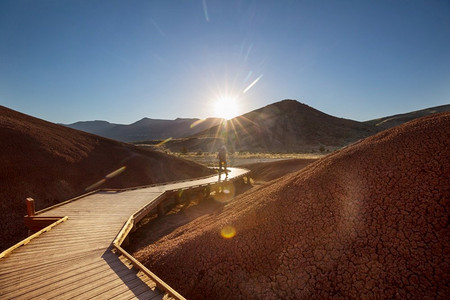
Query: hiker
[(222, 156)]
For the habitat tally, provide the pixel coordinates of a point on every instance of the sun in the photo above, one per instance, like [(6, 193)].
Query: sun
[(226, 108)]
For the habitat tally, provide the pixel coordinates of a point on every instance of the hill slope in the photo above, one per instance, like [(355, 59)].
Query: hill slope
[(395, 120), (52, 163), (285, 126), (368, 221)]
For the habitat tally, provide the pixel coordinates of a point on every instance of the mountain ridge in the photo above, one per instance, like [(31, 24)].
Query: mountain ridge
[(146, 128), (283, 126)]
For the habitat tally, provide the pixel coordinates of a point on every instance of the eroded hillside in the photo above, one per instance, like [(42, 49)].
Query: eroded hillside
[(369, 221)]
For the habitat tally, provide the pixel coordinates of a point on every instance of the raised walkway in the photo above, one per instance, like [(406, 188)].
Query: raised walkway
[(82, 258)]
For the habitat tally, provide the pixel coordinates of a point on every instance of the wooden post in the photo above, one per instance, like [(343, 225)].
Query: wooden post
[(30, 207), (178, 195), (207, 192), (188, 197)]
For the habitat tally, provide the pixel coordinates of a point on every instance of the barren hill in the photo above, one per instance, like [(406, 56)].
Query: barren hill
[(368, 221), (52, 163), (285, 126), (395, 120)]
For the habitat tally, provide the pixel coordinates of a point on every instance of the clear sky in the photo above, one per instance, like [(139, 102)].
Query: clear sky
[(71, 60)]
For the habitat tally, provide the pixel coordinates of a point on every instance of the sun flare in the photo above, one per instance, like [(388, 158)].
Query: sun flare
[(226, 108)]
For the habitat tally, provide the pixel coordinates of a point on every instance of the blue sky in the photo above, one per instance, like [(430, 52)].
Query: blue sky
[(120, 61)]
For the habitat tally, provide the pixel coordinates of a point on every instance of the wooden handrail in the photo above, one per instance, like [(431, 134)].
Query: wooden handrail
[(28, 239), (159, 283), (117, 243), (131, 222)]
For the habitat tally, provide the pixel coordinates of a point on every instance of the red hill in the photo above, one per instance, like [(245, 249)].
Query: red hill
[(369, 221), (52, 163)]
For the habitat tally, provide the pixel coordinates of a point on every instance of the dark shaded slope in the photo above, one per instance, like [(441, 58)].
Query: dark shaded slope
[(369, 221), (52, 163)]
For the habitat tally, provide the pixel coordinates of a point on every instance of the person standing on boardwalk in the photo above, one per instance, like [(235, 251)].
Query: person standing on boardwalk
[(222, 156)]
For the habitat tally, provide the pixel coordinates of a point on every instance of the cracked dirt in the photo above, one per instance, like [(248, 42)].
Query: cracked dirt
[(368, 221)]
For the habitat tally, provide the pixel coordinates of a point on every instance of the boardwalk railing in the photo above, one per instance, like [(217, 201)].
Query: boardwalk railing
[(123, 234), (28, 239), (136, 217)]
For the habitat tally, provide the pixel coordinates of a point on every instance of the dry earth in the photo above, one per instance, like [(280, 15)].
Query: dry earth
[(52, 163), (369, 221), (152, 228), (266, 171)]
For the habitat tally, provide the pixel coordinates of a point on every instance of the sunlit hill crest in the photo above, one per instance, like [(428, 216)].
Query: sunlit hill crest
[(285, 126)]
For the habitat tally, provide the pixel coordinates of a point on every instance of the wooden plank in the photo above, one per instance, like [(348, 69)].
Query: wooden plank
[(56, 286), (114, 288), (147, 291), (28, 239), (97, 282), (54, 259), (56, 270), (57, 274)]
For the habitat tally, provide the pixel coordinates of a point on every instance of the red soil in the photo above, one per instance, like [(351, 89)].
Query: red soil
[(369, 221), (267, 171), (52, 163)]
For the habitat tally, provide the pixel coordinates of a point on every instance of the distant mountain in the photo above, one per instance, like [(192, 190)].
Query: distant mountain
[(95, 127), (147, 129), (285, 126), (395, 120)]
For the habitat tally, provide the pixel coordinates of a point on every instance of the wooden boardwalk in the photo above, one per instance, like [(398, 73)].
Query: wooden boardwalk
[(76, 258)]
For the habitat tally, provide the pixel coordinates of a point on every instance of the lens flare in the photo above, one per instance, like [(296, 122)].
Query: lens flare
[(115, 173), (228, 232), (163, 142), (224, 192), (252, 84), (95, 185), (197, 122), (104, 179)]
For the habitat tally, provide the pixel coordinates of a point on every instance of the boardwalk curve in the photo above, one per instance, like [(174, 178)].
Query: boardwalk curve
[(82, 256)]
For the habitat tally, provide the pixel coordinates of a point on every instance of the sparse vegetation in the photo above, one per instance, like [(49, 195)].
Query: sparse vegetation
[(238, 158)]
